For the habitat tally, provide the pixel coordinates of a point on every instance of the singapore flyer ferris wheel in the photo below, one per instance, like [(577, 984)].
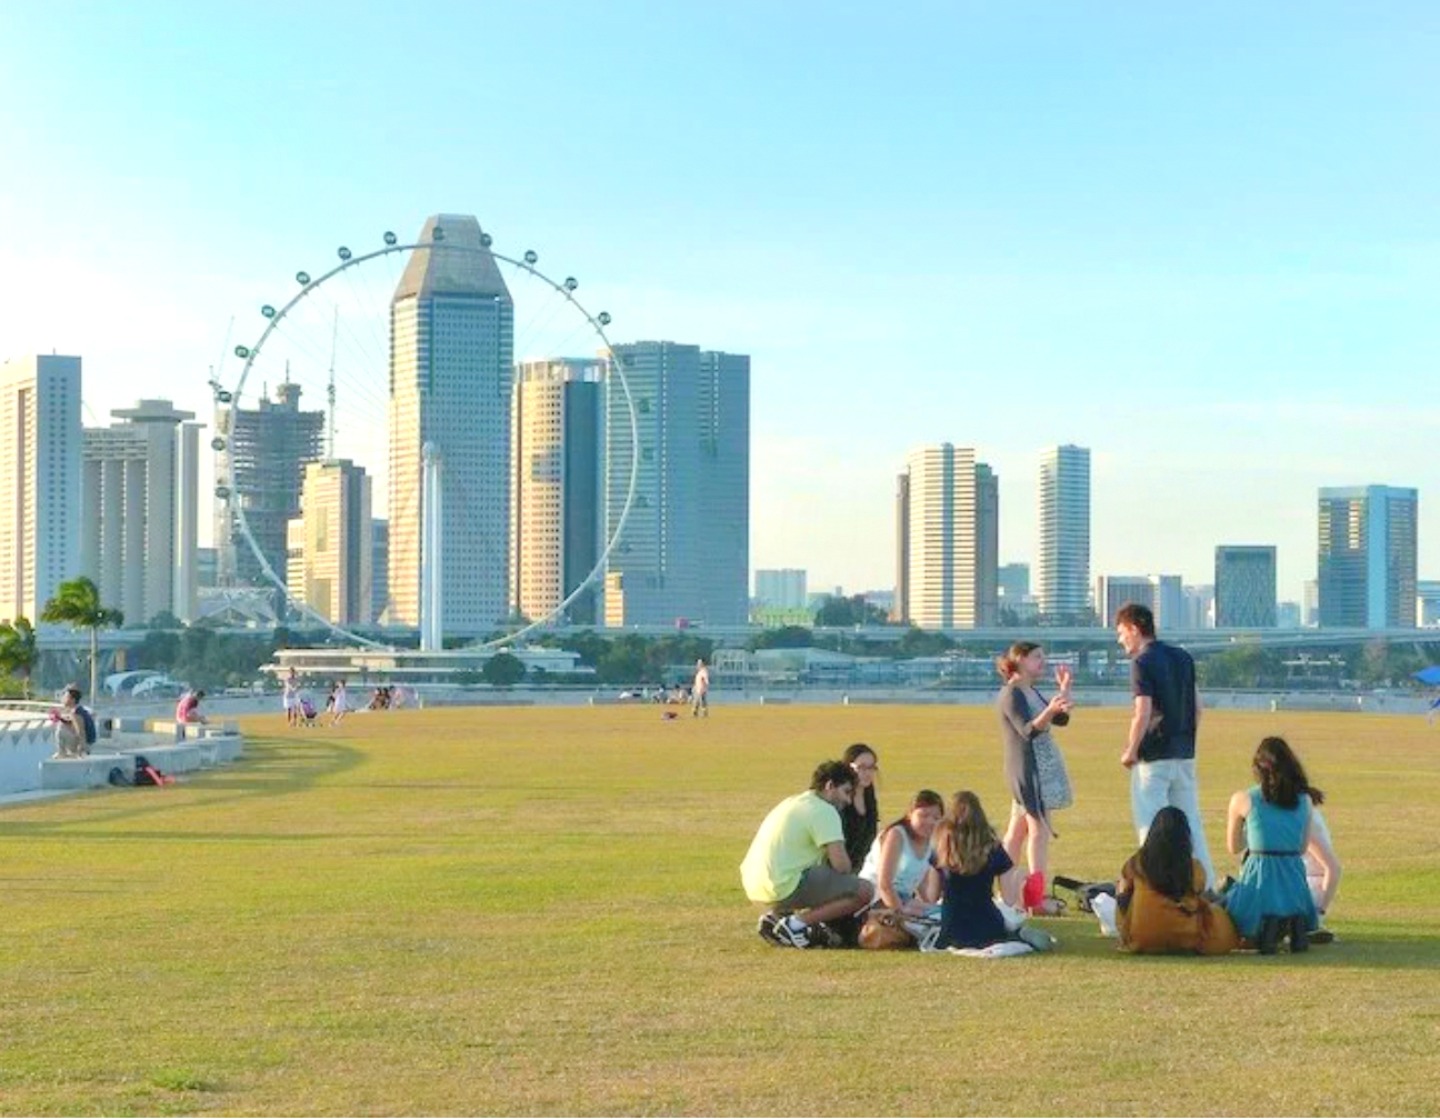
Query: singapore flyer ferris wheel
[(364, 462)]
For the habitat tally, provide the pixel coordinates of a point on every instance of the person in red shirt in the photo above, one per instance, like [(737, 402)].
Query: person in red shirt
[(188, 711)]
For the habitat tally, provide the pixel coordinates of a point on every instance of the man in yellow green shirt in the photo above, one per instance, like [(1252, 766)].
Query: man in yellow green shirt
[(798, 868)]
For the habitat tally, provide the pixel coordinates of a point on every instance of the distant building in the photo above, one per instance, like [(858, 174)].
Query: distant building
[(900, 612), (1367, 556), (1014, 582), (139, 509), (1063, 579), (953, 539), (1164, 595), (330, 570), (555, 485), (1287, 615), (380, 570), (205, 564), (1199, 608), (260, 462), (1310, 603), (1427, 602), (1245, 594), (685, 551), (452, 327), (780, 588), (40, 472)]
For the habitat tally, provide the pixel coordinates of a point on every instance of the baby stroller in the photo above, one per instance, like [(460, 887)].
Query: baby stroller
[(308, 714)]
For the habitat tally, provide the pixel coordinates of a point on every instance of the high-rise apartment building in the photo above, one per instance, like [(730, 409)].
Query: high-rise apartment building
[(684, 553), (952, 539), (900, 611), (331, 544), (139, 507), (1367, 556), (1427, 602), (1245, 592), (452, 326), (260, 460), (555, 485), (1063, 571), (379, 570), (781, 589), (40, 459)]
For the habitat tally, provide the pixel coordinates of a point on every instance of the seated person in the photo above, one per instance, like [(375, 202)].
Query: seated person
[(797, 865), (899, 866), (970, 858), (1159, 908)]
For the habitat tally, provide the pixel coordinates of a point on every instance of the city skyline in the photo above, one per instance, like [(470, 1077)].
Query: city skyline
[(1199, 243)]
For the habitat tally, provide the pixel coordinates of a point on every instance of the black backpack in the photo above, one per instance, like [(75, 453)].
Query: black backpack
[(118, 778), (87, 721), (146, 774)]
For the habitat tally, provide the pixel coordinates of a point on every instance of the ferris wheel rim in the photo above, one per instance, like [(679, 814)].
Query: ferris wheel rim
[(274, 316)]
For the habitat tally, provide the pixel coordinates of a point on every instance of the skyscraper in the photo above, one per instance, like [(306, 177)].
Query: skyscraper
[(452, 328), (1367, 556), (40, 455), (262, 464), (1063, 575), (138, 511), (952, 539), (900, 612), (1164, 595), (684, 553), (781, 589), (332, 572), (555, 485), (1245, 586)]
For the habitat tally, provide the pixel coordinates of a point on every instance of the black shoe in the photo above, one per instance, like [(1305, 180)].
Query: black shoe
[(1322, 936), (1269, 939), (1299, 935), (766, 927), (823, 937)]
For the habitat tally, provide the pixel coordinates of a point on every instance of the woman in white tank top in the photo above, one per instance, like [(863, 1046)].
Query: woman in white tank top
[(898, 863)]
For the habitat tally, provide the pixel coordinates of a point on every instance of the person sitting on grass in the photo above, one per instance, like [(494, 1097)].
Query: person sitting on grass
[(899, 865), (970, 859), (1160, 908), (1270, 824), (1322, 868), (798, 868)]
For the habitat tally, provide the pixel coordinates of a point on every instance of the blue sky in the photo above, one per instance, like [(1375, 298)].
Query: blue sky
[(1204, 242)]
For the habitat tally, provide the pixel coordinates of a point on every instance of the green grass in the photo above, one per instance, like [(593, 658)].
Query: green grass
[(534, 911)]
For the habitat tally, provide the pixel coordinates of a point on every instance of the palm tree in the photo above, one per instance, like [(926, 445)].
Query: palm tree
[(19, 650), (78, 603)]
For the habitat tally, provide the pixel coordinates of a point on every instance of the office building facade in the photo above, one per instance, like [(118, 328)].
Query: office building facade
[(331, 544), (1368, 540), (782, 589), (1245, 590), (952, 539)]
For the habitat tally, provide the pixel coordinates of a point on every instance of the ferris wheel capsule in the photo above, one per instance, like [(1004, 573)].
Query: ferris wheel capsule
[(390, 238), (223, 493), (224, 396), (302, 278), (603, 318), (268, 311), (343, 253), (531, 256), (439, 234), (571, 283), (486, 241), (217, 444), (242, 351)]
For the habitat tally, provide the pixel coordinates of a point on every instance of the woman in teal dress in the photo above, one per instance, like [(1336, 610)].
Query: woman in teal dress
[(1270, 824)]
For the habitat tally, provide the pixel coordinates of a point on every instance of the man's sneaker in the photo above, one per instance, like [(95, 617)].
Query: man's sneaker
[(766, 927), (823, 937), (792, 933)]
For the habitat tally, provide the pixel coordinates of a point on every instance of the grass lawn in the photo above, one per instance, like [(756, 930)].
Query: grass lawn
[(538, 911)]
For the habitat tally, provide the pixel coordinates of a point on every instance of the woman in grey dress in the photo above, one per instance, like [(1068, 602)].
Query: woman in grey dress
[(1034, 767)]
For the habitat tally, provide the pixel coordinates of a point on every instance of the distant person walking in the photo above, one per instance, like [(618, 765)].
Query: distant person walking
[(1160, 747), (700, 690), (290, 697), (340, 704)]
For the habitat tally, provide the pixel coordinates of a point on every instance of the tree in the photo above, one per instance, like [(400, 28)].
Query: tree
[(786, 637), (503, 669), (78, 604), (854, 611), (19, 650)]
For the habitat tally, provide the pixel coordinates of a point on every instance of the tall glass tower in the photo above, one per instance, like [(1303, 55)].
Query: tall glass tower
[(452, 326), (1367, 556), (1063, 575)]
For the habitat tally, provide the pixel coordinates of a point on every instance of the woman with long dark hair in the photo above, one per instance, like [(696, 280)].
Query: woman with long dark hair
[(1270, 824), (861, 816), (1160, 908), (1034, 768), (899, 865)]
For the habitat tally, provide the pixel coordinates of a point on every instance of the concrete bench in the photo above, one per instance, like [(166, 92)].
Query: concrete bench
[(89, 772)]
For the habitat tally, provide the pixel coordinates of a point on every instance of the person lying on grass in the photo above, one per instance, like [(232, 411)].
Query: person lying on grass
[(1159, 906)]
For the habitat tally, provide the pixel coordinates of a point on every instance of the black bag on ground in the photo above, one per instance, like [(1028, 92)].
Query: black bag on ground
[(1084, 891), (118, 778)]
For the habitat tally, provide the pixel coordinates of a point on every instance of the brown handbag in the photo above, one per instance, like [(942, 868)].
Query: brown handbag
[(884, 928)]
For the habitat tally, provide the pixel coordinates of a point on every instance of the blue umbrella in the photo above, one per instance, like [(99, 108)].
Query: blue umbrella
[(1430, 675)]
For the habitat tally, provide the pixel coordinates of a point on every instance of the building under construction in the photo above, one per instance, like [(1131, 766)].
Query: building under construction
[(262, 467)]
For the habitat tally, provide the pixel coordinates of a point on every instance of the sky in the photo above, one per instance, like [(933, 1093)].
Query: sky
[(1203, 241)]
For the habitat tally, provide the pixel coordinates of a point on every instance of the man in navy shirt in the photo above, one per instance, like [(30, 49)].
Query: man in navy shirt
[(1160, 750)]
